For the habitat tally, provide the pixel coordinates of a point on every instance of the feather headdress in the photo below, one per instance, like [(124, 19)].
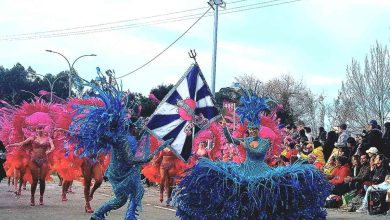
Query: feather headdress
[(97, 128), (250, 108)]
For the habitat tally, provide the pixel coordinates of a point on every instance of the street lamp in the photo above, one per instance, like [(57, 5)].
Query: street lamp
[(71, 69), (51, 84)]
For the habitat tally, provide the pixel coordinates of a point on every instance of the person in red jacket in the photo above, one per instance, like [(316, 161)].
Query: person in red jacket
[(341, 172)]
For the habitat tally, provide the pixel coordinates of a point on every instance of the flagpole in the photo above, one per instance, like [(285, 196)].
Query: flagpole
[(216, 4), (234, 116)]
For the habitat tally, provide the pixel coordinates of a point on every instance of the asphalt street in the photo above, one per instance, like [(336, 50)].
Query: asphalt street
[(18, 208)]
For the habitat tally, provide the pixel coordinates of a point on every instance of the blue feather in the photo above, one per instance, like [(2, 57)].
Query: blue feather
[(217, 191), (249, 109)]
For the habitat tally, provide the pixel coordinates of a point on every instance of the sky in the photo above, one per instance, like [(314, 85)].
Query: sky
[(313, 40)]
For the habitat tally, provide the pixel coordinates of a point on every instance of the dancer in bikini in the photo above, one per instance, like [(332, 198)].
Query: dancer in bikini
[(41, 147), (70, 166)]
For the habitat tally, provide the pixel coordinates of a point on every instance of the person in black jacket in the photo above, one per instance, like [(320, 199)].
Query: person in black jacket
[(356, 181), (380, 170), (329, 144), (386, 140), (352, 146), (373, 137), (322, 135), (2, 161)]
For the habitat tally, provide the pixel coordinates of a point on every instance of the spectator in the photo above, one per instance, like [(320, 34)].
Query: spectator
[(343, 136), (308, 134), (2, 161), (287, 130), (294, 133), (344, 151), (341, 172), (358, 140), (384, 186), (300, 125), (386, 140), (329, 144), (302, 136), (352, 146), (330, 166), (305, 150), (289, 151), (346, 186), (312, 159), (373, 137), (318, 152), (321, 135), (380, 169), (357, 181), (372, 152)]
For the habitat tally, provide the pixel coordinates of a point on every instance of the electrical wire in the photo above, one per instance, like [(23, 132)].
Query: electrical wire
[(100, 27), (110, 23), (159, 54), (169, 46)]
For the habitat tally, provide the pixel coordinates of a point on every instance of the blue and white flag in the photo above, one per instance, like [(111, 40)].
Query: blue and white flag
[(188, 108)]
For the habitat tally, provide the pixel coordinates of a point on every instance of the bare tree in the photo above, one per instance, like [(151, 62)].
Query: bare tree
[(250, 82), (298, 101), (365, 94)]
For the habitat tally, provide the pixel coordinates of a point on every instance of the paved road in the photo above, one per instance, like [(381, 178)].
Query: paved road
[(18, 208)]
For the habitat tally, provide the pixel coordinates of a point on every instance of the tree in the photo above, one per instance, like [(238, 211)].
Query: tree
[(18, 84), (365, 94), (149, 106), (226, 94), (161, 91), (250, 82), (298, 101)]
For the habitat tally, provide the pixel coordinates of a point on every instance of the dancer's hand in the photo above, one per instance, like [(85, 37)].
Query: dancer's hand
[(48, 152)]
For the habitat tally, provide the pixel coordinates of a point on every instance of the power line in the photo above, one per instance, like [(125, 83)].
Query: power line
[(50, 34), (169, 46), (110, 23), (258, 7), (159, 54)]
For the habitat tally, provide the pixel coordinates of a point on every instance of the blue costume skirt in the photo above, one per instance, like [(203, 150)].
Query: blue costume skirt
[(220, 190)]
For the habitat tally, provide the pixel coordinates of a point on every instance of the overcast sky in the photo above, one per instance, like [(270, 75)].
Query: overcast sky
[(313, 40)]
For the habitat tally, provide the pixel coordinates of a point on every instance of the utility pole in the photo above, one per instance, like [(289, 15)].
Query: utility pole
[(215, 4)]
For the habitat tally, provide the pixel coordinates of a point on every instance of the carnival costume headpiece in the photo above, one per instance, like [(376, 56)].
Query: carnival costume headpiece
[(97, 128), (250, 107)]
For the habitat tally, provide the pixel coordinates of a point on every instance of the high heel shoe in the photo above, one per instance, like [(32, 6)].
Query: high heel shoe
[(88, 208), (64, 199), (40, 200), (32, 201)]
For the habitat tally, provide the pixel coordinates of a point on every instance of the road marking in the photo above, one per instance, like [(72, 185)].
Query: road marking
[(159, 207)]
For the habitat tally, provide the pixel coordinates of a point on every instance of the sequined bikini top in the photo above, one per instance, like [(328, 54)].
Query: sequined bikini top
[(45, 144)]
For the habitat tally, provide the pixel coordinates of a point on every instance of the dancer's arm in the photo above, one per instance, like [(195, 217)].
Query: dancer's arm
[(62, 129), (231, 139), (27, 141), (51, 146)]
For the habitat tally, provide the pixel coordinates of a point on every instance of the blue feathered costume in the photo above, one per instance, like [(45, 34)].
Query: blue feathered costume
[(251, 190), (106, 129)]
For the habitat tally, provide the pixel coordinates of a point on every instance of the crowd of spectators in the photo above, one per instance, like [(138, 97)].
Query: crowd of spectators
[(353, 163)]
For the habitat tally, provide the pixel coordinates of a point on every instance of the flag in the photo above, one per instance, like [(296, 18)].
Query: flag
[(188, 108)]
